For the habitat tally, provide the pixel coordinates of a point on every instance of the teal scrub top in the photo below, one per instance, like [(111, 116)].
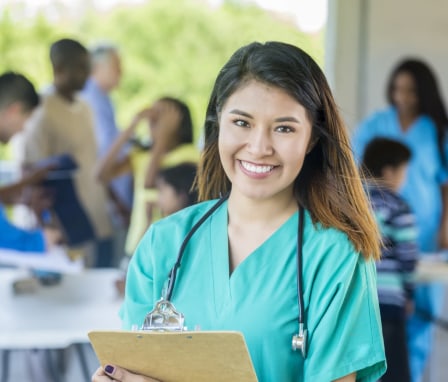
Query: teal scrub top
[(260, 297)]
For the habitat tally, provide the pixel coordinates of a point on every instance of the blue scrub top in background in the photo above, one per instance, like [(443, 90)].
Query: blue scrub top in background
[(425, 173), (12, 237), (422, 191)]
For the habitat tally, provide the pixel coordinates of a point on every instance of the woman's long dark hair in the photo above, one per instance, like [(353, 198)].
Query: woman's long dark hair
[(185, 131), (328, 185), (429, 98)]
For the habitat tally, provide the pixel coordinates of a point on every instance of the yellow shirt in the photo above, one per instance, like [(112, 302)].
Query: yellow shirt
[(139, 162)]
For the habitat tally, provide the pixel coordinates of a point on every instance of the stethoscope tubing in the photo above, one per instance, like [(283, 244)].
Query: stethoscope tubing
[(173, 272)]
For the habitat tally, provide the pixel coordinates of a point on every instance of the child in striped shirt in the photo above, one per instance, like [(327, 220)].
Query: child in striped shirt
[(385, 163)]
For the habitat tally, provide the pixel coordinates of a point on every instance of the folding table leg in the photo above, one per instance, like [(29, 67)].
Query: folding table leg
[(5, 365), (83, 362)]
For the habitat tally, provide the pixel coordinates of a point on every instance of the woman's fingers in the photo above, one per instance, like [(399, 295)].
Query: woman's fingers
[(122, 375), (100, 376)]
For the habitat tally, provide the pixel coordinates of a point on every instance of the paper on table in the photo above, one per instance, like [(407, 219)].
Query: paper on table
[(57, 260)]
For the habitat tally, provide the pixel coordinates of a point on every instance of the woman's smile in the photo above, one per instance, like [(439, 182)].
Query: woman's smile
[(256, 170)]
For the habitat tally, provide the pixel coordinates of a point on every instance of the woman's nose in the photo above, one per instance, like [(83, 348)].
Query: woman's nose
[(260, 142)]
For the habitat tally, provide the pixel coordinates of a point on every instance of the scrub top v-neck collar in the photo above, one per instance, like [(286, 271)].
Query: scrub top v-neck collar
[(410, 129), (224, 283)]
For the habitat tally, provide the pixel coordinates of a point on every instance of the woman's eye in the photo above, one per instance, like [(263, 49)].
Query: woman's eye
[(240, 122), (284, 129)]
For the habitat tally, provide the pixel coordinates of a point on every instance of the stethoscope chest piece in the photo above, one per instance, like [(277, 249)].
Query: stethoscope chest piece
[(299, 341), (164, 317)]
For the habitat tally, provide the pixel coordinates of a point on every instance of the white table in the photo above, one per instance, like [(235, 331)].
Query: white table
[(434, 269), (55, 317), (430, 269)]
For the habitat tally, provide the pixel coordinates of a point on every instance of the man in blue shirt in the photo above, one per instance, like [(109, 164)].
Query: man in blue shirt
[(105, 76), (18, 98)]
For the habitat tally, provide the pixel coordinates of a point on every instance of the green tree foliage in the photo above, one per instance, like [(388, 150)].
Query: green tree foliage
[(168, 47)]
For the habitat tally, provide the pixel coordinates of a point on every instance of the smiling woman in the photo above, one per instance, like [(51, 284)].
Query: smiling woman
[(286, 254), (262, 149)]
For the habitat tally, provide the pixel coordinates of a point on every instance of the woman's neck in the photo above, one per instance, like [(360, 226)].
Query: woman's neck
[(243, 210), (406, 120), (252, 222)]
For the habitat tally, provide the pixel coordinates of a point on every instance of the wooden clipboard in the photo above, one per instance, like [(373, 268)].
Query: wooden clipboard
[(177, 356)]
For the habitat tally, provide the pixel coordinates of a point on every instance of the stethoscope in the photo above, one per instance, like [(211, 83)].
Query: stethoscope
[(165, 317)]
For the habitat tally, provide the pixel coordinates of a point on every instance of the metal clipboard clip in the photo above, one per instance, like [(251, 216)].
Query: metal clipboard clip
[(164, 317)]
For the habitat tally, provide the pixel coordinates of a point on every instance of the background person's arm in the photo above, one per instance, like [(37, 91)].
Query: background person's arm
[(443, 233), (11, 193), (111, 165), (165, 138)]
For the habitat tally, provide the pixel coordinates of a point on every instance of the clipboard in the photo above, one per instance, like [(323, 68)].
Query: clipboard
[(200, 356)]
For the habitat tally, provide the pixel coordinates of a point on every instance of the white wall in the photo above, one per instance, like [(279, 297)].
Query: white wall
[(366, 38)]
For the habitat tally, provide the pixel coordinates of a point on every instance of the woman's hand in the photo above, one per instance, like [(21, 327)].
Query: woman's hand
[(115, 373), (142, 115)]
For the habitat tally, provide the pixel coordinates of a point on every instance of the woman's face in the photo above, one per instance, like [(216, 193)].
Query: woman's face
[(404, 94), (263, 139), (165, 122), (157, 110)]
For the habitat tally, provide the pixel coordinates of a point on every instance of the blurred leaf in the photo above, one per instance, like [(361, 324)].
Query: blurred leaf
[(168, 47)]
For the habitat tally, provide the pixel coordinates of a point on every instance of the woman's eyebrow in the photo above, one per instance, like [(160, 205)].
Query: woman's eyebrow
[(240, 112), (280, 119), (287, 119)]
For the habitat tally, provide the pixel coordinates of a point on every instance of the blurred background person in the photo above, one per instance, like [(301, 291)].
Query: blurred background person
[(416, 116), (18, 99), (171, 132), (104, 77), (63, 124), (175, 188), (174, 192), (385, 163)]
